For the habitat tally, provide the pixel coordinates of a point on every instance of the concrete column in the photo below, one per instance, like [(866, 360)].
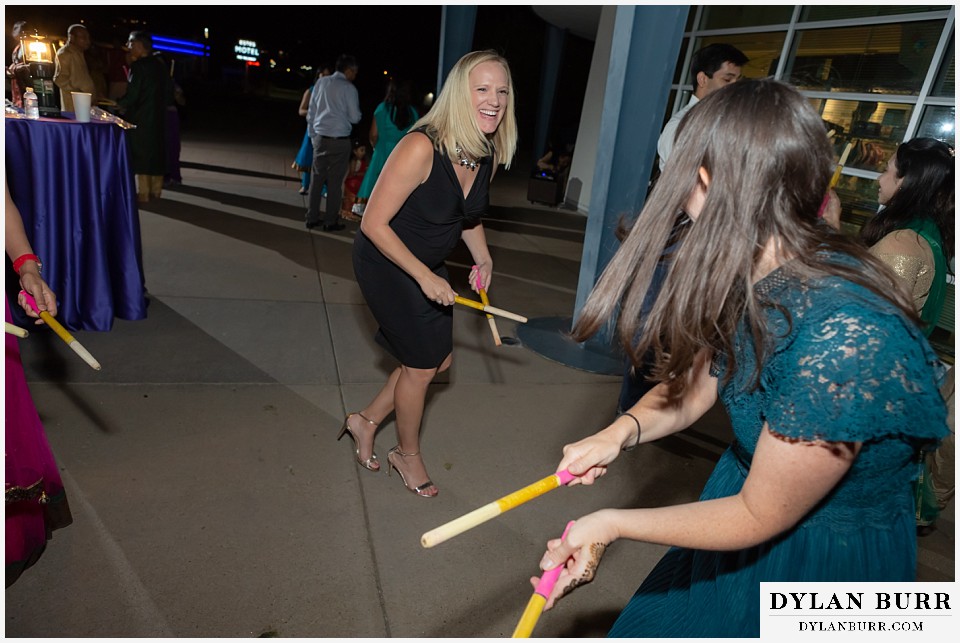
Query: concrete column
[(549, 72), (643, 54), (456, 37), (580, 183), (640, 45)]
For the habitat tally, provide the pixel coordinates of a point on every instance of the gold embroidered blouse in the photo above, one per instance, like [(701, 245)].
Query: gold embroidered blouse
[(911, 258)]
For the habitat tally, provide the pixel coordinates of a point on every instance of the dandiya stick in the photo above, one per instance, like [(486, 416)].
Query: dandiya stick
[(12, 329), (62, 332), (490, 320), (535, 606), (486, 302), (490, 309), (843, 160), (483, 514)]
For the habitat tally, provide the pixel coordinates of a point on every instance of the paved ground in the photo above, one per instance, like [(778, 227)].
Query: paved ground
[(209, 495)]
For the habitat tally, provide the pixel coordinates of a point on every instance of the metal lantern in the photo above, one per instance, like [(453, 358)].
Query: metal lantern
[(40, 55)]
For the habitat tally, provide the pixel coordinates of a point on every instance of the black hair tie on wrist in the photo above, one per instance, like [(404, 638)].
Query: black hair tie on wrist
[(634, 418)]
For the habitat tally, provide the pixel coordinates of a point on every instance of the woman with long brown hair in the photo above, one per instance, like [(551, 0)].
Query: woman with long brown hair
[(812, 348)]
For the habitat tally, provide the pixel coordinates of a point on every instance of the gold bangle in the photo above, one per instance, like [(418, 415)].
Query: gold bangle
[(634, 418)]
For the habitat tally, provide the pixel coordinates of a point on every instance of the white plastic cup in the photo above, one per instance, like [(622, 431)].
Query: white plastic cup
[(81, 106)]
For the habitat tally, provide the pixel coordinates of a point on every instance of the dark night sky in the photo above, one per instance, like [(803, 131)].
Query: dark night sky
[(403, 40), (403, 37)]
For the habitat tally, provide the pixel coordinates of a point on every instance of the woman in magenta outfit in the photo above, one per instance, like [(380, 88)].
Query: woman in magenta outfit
[(36, 503)]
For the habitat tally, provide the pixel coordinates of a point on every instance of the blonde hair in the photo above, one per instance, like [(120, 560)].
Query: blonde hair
[(451, 121)]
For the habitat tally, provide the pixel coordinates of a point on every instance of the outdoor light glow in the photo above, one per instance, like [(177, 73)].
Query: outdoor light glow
[(163, 43), (180, 50), (946, 127), (181, 43), (206, 32), (37, 51), (246, 50)]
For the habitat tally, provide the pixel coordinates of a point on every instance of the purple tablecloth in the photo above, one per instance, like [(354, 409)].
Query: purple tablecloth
[(75, 190)]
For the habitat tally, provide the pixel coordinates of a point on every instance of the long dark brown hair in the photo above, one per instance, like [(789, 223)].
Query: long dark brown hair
[(926, 166), (399, 101), (769, 161)]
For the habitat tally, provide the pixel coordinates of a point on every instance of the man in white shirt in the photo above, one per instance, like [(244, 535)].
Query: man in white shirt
[(712, 67), (334, 109)]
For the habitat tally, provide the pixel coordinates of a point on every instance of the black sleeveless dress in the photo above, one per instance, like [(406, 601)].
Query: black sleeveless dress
[(415, 330)]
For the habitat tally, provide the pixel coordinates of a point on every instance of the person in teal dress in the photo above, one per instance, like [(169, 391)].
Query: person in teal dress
[(391, 120), (814, 351), (304, 160)]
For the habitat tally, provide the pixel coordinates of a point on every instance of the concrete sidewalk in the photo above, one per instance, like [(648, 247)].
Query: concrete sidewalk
[(209, 495)]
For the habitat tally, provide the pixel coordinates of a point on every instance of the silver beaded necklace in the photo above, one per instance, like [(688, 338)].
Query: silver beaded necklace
[(464, 161)]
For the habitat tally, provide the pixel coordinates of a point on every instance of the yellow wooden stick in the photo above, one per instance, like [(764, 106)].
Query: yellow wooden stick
[(490, 319), (530, 617), (490, 309), (843, 160), (492, 510), (62, 332), (535, 605), (70, 340), (15, 330), (486, 302)]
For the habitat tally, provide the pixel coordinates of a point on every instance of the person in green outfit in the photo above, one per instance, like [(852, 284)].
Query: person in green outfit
[(391, 120), (913, 234)]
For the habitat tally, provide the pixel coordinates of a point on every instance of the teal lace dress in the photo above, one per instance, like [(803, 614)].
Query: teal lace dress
[(850, 367)]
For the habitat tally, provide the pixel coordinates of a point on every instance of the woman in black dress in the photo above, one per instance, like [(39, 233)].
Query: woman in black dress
[(431, 193)]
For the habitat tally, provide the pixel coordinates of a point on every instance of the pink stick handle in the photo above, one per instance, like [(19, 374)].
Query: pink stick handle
[(565, 476), (27, 297), (479, 278), (549, 578)]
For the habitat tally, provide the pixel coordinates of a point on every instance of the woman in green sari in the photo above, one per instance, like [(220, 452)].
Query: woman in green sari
[(913, 234)]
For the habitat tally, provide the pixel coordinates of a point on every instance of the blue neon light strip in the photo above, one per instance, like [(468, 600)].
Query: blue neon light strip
[(180, 50), (174, 41)]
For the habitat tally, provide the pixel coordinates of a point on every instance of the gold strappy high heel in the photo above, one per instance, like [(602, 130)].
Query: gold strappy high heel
[(421, 490), (371, 463)]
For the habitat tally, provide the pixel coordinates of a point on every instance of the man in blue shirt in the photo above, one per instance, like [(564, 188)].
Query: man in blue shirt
[(334, 109)]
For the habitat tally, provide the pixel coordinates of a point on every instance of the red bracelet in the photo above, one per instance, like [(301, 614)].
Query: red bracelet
[(22, 259)]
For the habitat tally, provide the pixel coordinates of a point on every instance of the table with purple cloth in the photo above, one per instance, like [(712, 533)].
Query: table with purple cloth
[(75, 190)]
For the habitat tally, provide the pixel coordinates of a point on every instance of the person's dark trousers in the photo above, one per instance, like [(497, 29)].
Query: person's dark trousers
[(331, 160)]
